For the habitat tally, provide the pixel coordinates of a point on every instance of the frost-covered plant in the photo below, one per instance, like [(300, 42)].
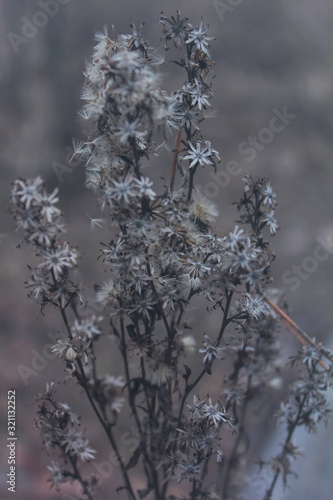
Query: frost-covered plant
[(164, 251)]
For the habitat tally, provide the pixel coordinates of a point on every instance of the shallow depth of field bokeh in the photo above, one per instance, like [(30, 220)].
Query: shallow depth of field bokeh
[(268, 55)]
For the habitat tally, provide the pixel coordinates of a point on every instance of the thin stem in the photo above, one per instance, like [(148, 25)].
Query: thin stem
[(68, 328), (298, 333), (186, 393), (205, 470), (128, 378), (190, 185), (269, 492), (83, 382), (107, 430), (79, 479), (193, 492), (147, 460), (143, 373), (93, 362), (238, 439), (225, 320), (150, 460), (136, 158), (174, 161), (190, 387), (165, 321)]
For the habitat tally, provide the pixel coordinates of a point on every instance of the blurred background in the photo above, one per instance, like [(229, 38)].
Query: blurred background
[(269, 56)]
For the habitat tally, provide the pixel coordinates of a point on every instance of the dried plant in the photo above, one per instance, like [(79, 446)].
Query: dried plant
[(163, 253)]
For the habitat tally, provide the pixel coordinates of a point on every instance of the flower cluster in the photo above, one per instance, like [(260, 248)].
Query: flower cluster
[(161, 251), (306, 406), (72, 348), (199, 438), (59, 428), (258, 204), (126, 104), (36, 213)]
